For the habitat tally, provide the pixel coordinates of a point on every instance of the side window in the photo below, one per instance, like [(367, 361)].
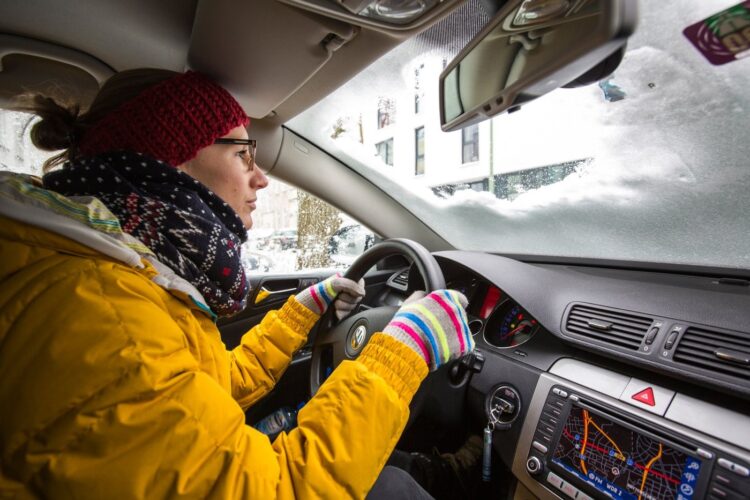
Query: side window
[(17, 154), (293, 231)]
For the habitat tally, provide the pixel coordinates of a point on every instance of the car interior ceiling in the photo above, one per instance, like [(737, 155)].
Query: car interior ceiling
[(567, 368), (191, 34)]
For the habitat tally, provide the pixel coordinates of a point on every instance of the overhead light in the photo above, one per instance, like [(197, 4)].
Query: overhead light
[(398, 11), (388, 15), (539, 11), (392, 11)]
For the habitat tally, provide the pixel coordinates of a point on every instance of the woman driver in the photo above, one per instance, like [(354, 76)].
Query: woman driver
[(114, 269)]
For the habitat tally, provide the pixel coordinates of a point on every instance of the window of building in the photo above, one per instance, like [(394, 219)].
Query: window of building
[(419, 151), (385, 151), (470, 144), (386, 112), (418, 91)]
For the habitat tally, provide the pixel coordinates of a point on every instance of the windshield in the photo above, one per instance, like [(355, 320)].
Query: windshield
[(649, 165)]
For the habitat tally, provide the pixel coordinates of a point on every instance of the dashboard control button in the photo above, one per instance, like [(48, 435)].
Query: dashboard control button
[(546, 417), (704, 453), (547, 430), (534, 466), (539, 446), (722, 479), (651, 335), (569, 489), (722, 493), (560, 392), (723, 462), (554, 480), (583, 496), (543, 438), (719, 492), (671, 339), (729, 482), (738, 469), (553, 410), (647, 396)]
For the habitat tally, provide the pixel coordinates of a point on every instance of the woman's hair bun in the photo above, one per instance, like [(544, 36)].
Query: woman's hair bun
[(58, 127)]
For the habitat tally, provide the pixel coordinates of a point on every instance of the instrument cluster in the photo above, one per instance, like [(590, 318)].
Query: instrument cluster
[(502, 321)]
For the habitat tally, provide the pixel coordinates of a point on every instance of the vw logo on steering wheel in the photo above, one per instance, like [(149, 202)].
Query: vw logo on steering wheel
[(357, 338)]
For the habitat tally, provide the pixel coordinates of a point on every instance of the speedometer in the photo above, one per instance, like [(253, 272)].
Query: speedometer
[(510, 325)]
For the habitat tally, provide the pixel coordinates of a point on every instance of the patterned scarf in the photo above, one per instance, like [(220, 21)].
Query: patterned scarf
[(187, 226)]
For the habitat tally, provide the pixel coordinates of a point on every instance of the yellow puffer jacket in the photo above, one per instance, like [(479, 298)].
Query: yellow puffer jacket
[(116, 384)]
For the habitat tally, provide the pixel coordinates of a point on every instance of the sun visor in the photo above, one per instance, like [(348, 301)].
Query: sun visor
[(262, 51)]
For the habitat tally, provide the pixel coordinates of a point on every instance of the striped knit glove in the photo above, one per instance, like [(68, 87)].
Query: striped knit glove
[(434, 326), (346, 293)]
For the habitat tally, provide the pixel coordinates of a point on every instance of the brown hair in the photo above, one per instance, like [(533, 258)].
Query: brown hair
[(62, 125)]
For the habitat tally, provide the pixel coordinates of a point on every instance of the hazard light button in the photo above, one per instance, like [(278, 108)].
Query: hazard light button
[(647, 396)]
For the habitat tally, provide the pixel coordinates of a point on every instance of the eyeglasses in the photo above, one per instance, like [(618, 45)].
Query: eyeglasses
[(251, 145)]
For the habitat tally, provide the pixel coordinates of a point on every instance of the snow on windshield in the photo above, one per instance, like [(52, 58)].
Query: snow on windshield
[(660, 174)]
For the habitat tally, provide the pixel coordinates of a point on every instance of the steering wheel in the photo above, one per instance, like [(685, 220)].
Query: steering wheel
[(345, 340)]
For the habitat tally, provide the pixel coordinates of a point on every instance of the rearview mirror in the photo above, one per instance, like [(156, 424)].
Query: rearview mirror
[(528, 49)]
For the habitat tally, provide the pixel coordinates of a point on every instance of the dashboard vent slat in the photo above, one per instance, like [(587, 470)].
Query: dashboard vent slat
[(611, 326), (589, 312), (615, 327), (606, 337), (402, 278), (714, 339), (715, 351)]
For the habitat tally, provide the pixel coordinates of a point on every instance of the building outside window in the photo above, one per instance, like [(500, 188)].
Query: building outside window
[(470, 144), (419, 151), (418, 91), (385, 151), (386, 112)]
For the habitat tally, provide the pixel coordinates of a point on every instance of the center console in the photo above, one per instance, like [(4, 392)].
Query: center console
[(582, 444)]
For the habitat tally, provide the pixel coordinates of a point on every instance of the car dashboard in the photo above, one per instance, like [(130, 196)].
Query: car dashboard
[(608, 383)]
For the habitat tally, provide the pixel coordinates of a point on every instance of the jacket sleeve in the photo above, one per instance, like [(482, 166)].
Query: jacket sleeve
[(266, 351), (162, 428)]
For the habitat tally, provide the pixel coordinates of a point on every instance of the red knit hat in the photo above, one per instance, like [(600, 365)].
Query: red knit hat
[(170, 121)]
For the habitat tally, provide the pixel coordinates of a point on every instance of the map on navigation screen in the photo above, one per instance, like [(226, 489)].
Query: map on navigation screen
[(623, 463)]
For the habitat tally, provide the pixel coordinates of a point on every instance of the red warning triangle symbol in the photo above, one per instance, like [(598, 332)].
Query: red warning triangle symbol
[(646, 396)]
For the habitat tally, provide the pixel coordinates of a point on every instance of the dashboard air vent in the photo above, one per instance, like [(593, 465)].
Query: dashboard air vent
[(402, 278), (620, 328), (727, 353), (400, 281)]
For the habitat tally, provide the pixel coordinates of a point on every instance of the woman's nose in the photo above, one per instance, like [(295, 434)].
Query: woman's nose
[(259, 179)]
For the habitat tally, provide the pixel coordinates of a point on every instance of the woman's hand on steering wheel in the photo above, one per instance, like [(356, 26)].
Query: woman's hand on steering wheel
[(343, 292), (434, 326)]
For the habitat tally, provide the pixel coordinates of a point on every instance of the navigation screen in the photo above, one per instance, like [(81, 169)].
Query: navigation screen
[(622, 463)]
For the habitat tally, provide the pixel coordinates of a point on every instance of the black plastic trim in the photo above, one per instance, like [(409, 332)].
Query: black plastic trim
[(547, 290)]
